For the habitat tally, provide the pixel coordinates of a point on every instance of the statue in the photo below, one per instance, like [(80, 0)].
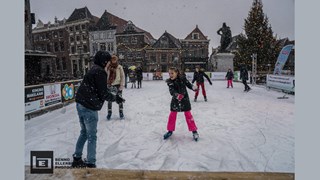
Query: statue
[(226, 37)]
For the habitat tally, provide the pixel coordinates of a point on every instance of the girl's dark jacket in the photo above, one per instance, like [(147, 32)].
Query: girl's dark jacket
[(178, 86), (93, 90), (198, 77), (229, 75)]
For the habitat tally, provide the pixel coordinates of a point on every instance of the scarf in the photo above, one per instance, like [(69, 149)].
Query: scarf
[(112, 75)]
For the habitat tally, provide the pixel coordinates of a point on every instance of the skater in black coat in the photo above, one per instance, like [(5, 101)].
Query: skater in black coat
[(139, 77), (198, 77), (229, 77), (244, 76), (91, 95), (180, 102)]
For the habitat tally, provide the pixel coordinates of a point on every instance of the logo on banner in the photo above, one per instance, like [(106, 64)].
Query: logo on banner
[(41, 162), (68, 91)]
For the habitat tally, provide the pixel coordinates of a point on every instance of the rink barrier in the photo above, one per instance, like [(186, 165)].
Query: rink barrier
[(42, 98), (111, 174), (212, 75), (282, 82)]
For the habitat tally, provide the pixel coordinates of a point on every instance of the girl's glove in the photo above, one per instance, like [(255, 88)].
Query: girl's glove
[(180, 96), (195, 88)]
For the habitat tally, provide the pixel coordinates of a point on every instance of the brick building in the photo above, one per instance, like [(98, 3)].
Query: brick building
[(164, 53), (195, 50)]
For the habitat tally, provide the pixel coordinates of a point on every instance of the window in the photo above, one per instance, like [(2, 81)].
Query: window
[(73, 49), (71, 39), (84, 37), (61, 45), (164, 42), (103, 46), (102, 35), (60, 34), (55, 34), (195, 35), (77, 27), (78, 38), (153, 58), (64, 63), (110, 35), (56, 46), (71, 28), (96, 36), (83, 27), (48, 35), (110, 47), (125, 40), (134, 40), (48, 47), (36, 37), (58, 64), (85, 48), (163, 58)]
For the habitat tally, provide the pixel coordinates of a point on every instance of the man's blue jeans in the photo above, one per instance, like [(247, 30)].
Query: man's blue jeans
[(88, 122)]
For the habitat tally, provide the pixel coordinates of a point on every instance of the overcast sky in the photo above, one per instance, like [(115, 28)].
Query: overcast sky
[(178, 17)]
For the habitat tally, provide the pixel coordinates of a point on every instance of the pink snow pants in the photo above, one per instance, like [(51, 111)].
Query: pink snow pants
[(173, 117), (230, 83), (203, 89)]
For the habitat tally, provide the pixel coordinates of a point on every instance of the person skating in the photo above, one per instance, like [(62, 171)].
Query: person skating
[(139, 77), (90, 96), (133, 78), (116, 78), (244, 77), (198, 77), (180, 102), (126, 72), (229, 77)]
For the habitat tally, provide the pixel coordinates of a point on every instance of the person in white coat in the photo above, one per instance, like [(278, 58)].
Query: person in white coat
[(115, 81)]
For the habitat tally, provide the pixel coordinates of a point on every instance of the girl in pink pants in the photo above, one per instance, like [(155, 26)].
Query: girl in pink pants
[(180, 102)]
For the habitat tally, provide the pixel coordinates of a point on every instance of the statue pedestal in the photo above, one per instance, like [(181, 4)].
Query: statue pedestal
[(223, 61)]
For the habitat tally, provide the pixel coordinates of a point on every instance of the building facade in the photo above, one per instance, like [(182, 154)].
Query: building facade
[(163, 54), (131, 45), (195, 50)]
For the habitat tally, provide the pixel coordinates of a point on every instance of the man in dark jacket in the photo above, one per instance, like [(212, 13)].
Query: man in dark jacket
[(198, 77), (126, 72), (244, 76), (139, 76), (91, 95)]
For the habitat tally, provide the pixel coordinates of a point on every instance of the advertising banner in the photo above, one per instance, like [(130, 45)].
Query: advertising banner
[(52, 94), (34, 98), (147, 76), (218, 75), (68, 90), (282, 58), (286, 83)]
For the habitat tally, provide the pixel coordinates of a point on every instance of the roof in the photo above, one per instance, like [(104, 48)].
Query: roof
[(80, 14), (172, 41), (196, 30)]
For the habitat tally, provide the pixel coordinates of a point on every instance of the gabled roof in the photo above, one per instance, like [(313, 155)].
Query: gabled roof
[(196, 30), (104, 23), (80, 14), (172, 41)]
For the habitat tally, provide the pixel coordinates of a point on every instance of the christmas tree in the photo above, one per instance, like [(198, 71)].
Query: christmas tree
[(259, 39)]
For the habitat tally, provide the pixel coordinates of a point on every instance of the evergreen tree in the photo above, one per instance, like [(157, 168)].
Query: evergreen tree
[(259, 39)]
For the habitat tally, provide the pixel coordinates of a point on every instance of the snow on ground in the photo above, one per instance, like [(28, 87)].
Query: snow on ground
[(238, 131)]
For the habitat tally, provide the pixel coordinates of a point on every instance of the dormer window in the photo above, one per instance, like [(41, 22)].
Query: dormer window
[(195, 35)]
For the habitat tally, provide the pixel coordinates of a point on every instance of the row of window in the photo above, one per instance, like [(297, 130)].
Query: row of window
[(78, 38), (103, 46), (77, 28), (79, 49), (48, 35), (132, 40), (52, 47), (103, 35), (163, 58)]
